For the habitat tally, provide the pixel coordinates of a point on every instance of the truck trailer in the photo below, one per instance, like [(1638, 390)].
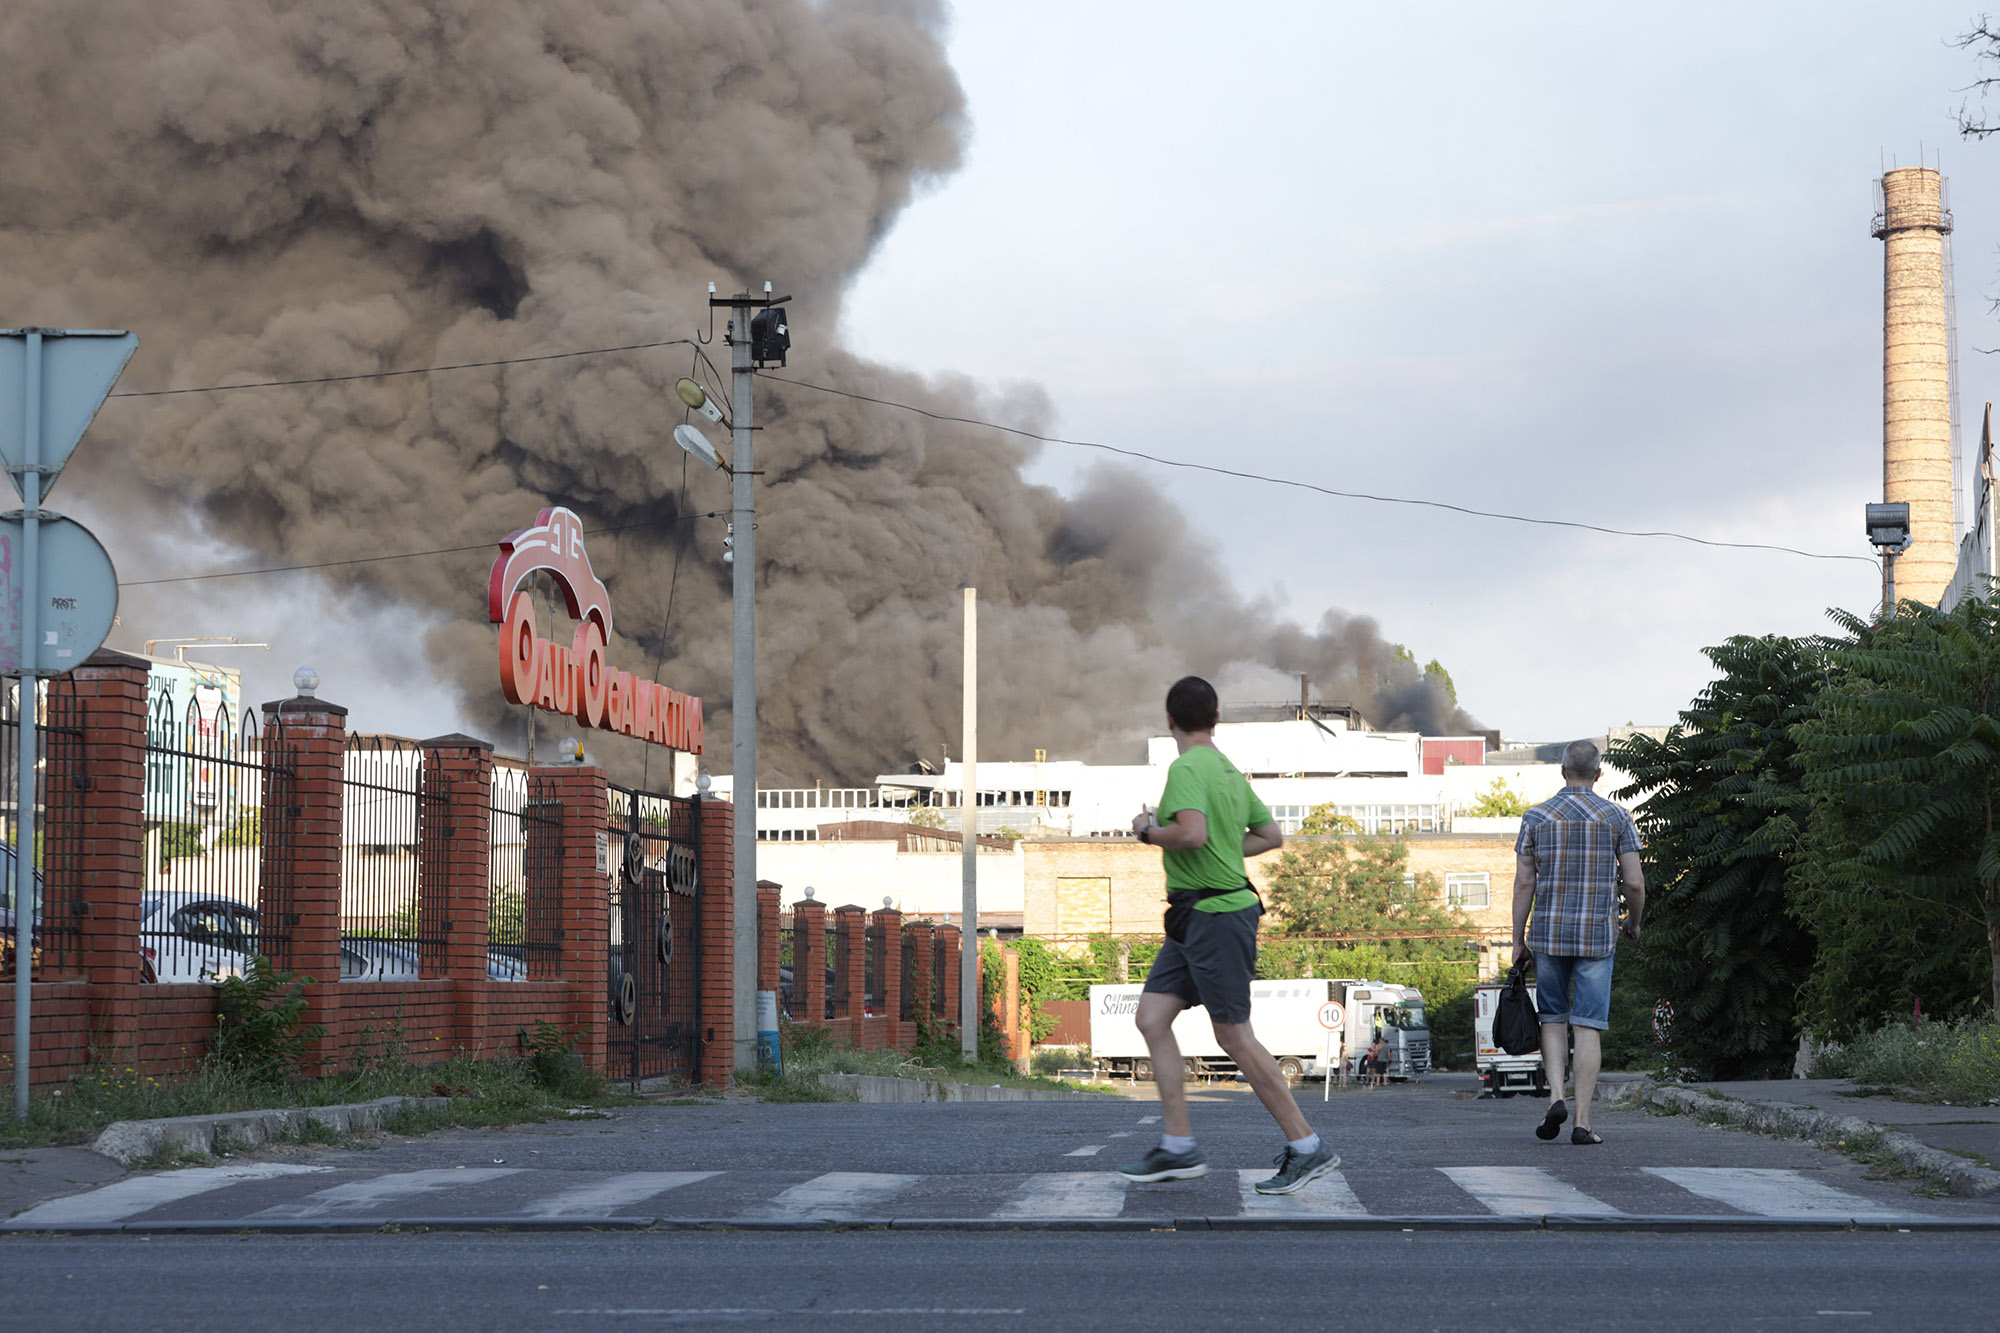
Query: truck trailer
[(1284, 1013), (1501, 1074)]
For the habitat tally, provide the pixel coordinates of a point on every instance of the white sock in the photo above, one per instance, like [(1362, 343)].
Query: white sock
[(1175, 1144), (1306, 1146)]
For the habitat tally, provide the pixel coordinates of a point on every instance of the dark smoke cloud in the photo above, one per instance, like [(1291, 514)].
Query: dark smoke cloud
[(266, 189)]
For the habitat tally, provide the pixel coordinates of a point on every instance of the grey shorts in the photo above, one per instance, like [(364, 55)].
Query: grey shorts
[(1213, 967)]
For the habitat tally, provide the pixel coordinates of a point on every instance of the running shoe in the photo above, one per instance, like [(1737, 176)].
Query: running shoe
[(1296, 1170), (1160, 1164)]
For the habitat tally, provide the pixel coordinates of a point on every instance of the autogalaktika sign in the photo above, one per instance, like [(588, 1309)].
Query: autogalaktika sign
[(576, 680)]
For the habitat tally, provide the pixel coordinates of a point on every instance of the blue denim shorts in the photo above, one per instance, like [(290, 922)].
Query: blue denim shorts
[(1576, 991)]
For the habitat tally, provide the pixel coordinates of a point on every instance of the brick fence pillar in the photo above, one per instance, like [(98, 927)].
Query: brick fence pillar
[(921, 984), (574, 795), (767, 935), (850, 965), (948, 954), (716, 1060), (95, 794), (809, 963), (889, 1004), (298, 891), (454, 876)]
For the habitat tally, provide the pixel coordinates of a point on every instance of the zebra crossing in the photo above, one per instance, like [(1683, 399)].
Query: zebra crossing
[(284, 1196)]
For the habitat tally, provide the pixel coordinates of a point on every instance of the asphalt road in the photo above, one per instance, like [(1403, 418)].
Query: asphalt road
[(1410, 1152), (579, 1281)]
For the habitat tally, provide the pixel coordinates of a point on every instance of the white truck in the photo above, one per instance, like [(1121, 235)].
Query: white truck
[(1285, 1016), (1501, 1074)]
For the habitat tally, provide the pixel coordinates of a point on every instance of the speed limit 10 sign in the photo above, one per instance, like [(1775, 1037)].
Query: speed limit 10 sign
[(1331, 1016)]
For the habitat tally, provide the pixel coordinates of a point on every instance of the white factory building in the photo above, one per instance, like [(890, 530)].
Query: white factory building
[(852, 844)]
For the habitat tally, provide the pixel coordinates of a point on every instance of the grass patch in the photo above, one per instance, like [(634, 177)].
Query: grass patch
[(1881, 1164), (542, 1085), (1922, 1060)]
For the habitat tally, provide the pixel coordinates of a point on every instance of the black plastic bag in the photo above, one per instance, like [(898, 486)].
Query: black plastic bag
[(1517, 1029)]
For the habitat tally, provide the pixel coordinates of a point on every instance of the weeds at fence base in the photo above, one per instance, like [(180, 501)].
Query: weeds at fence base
[(482, 1093)]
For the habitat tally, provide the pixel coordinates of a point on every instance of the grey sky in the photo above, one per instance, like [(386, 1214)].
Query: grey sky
[(1578, 261)]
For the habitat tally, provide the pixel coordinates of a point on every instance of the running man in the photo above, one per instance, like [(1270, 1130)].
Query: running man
[(1208, 822)]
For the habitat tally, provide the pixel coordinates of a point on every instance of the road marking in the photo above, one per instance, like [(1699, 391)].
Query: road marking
[(1511, 1190), (601, 1198), (128, 1198), (837, 1193), (1771, 1193), (1149, 1120), (1119, 1134), (1087, 1150), (1066, 1194), (713, 1311), (361, 1195), (1329, 1196)]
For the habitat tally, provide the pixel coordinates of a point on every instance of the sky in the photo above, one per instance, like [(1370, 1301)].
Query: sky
[(1567, 261)]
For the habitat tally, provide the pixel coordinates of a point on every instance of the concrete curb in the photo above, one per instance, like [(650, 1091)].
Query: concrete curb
[(130, 1141), (882, 1088), (1959, 1175), (1457, 1222)]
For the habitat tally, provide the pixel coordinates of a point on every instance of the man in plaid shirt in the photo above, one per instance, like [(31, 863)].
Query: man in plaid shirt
[(1571, 853)]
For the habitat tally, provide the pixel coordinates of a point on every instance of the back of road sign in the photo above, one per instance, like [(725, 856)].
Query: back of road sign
[(79, 366), (78, 595)]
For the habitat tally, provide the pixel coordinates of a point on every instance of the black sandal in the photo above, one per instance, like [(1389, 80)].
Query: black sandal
[(1582, 1135), (1552, 1122)]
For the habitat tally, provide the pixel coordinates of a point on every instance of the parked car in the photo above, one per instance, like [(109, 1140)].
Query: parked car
[(189, 936), (363, 959)]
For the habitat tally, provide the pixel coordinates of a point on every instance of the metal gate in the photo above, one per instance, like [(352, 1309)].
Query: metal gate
[(654, 972)]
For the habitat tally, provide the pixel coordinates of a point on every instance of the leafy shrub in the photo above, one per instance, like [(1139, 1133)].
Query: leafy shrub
[(260, 1027), (1954, 1062)]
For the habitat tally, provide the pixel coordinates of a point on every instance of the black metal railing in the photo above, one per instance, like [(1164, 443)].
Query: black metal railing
[(654, 967), (524, 904), (206, 804), (56, 794), (912, 1003), (394, 819)]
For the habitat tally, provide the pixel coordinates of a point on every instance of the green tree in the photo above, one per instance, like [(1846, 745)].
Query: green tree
[(1901, 865), (1434, 670), (1361, 886), (1724, 807), (1499, 801), (926, 816)]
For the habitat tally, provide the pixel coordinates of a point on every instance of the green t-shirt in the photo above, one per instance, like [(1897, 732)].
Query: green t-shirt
[(1203, 779)]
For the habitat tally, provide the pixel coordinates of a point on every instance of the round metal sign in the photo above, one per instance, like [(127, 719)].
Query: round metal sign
[(77, 597), (1331, 1016)]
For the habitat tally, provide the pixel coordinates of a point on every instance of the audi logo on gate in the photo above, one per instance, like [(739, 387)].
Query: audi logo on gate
[(683, 870)]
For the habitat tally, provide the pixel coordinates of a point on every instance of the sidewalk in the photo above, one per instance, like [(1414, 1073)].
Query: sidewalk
[(1961, 1130)]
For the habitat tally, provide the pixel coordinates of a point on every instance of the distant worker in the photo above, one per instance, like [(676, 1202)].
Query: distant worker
[(1375, 1064), (1208, 821), (1573, 849)]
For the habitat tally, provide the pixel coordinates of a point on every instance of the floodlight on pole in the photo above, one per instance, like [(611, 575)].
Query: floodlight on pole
[(697, 398), (1889, 533), (692, 440)]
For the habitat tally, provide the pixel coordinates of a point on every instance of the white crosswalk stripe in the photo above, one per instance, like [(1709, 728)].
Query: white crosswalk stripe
[(604, 1198), (1771, 1193), (836, 1194), (1066, 1194), (1329, 1196), (128, 1198), (1518, 1190), (269, 1193), (359, 1196)]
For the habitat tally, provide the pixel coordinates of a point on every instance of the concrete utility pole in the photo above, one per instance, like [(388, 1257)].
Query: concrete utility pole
[(743, 691), (27, 905), (968, 824)]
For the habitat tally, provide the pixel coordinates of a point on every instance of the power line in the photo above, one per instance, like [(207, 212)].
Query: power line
[(1308, 485), (413, 370), (1242, 474), (400, 555)]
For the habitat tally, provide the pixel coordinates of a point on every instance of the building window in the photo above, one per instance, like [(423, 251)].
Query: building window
[(1468, 890)]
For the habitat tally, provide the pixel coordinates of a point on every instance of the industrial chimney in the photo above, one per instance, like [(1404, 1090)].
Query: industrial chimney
[(1916, 376)]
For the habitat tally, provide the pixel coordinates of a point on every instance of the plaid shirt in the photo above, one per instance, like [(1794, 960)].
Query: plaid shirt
[(1576, 837)]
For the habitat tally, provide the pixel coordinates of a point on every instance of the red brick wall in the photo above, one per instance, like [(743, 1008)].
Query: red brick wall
[(716, 1062)]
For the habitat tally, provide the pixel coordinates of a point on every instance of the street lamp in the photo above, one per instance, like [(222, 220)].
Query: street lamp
[(1889, 533)]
